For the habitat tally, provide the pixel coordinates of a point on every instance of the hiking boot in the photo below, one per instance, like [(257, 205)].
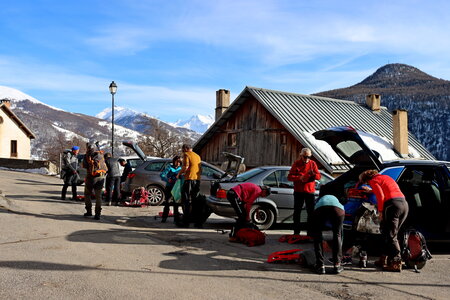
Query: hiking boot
[(319, 269), (393, 266), (381, 262), (88, 213), (97, 216), (338, 269)]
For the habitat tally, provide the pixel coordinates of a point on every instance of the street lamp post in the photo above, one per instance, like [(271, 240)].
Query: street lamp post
[(112, 90)]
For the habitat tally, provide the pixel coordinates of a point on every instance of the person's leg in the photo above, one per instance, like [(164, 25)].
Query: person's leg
[(64, 190), (298, 205), (337, 220), (116, 193), (318, 223), (74, 191), (87, 197), (196, 204), (185, 201), (166, 210), (109, 189), (309, 203), (98, 186)]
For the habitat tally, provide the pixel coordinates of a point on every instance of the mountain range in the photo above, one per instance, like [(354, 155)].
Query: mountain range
[(426, 98)]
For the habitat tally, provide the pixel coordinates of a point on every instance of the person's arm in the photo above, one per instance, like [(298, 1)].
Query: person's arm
[(293, 173), (69, 163), (378, 192), (184, 166)]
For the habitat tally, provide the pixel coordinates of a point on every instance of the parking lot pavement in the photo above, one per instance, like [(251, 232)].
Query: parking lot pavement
[(50, 251)]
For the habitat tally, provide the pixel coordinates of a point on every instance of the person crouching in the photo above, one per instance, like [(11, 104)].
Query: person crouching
[(241, 198)]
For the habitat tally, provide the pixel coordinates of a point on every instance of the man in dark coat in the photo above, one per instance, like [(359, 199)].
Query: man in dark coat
[(112, 179), (69, 172)]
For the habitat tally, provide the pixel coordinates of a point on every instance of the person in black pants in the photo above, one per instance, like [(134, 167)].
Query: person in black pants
[(112, 185), (70, 172), (169, 175), (328, 209)]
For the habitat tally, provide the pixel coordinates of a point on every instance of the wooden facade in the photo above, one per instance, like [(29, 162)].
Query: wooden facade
[(255, 134)]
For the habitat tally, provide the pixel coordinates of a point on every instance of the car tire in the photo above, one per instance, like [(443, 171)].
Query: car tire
[(155, 195), (262, 216)]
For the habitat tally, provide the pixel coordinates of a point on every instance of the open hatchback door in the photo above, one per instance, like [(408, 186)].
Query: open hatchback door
[(348, 144)]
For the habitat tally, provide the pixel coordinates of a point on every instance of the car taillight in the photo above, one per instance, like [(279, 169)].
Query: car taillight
[(131, 175), (221, 193)]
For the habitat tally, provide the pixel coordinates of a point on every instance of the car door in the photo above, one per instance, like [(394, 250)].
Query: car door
[(281, 193), (208, 175), (424, 190), (348, 144)]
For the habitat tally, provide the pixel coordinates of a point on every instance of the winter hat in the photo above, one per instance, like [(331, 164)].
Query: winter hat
[(75, 148)]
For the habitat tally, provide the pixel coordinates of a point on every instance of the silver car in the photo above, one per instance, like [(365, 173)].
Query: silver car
[(148, 176), (278, 207)]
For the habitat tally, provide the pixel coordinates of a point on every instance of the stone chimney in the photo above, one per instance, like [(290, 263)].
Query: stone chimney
[(373, 101), (6, 102), (400, 124), (222, 102)]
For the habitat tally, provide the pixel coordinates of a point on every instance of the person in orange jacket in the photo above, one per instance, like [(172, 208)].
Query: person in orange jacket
[(393, 210), (304, 173)]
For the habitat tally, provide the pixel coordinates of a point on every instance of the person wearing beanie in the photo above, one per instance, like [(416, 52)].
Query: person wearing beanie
[(69, 172)]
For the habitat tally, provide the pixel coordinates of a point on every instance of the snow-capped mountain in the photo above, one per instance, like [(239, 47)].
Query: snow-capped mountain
[(56, 129), (144, 123), (198, 123)]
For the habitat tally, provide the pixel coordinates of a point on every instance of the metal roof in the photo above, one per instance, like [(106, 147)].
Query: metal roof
[(301, 114)]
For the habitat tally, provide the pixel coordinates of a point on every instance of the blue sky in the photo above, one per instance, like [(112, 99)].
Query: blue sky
[(169, 57)]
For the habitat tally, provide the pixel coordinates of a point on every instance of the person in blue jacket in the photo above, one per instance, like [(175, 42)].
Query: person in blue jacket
[(169, 175), (328, 209)]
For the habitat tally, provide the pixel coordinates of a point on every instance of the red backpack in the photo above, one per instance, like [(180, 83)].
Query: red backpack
[(415, 251), (139, 197), (251, 237)]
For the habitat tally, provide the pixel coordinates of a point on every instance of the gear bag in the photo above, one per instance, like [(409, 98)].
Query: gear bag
[(96, 165), (415, 252)]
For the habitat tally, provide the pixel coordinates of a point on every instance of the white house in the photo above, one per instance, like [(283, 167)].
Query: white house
[(15, 137)]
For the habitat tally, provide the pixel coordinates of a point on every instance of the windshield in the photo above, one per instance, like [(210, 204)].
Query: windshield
[(249, 174)]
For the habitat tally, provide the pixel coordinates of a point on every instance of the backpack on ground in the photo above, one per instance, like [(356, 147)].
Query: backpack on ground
[(250, 236), (139, 197), (96, 165), (415, 252)]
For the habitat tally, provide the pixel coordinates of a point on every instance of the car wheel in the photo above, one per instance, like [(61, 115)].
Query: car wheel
[(262, 216), (155, 195)]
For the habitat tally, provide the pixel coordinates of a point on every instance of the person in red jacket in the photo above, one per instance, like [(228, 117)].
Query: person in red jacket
[(242, 197), (304, 173), (393, 210)]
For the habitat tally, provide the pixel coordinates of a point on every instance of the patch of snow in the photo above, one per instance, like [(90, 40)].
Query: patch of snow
[(16, 95), (42, 170), (197, 123)]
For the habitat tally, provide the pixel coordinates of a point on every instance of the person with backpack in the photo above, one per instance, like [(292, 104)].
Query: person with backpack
[(112, 179), (169, 176), (95, 165), (393, 210), (328, 209), (69, 172)]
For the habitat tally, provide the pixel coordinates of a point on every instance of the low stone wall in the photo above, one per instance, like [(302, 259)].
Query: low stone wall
[(27, 164)]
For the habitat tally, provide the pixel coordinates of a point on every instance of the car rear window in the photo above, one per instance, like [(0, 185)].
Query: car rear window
[(134, 163), (155, 166), (249, 174)]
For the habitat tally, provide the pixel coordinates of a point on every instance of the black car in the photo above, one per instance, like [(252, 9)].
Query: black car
[(425, 183)]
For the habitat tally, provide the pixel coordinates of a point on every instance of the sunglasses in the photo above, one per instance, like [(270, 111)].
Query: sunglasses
[(307, 157)]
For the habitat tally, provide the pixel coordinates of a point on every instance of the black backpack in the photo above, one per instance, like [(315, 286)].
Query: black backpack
[(415, 252)]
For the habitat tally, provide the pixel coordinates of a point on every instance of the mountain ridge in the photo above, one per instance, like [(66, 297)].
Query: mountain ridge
[(426, 98)]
